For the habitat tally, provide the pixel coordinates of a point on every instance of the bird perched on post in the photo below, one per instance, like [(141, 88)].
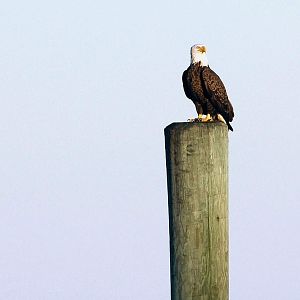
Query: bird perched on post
[(205, 88)]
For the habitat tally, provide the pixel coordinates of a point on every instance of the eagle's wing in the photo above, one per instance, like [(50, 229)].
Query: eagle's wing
[(186, 86), (217, 94)]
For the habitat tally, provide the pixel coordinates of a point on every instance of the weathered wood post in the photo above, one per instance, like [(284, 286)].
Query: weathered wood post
[(197, 174)]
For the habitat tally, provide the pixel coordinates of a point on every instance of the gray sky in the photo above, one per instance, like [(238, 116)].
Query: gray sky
[(87, 89)]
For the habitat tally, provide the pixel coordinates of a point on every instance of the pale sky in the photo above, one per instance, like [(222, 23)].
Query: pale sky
[(87, 88)]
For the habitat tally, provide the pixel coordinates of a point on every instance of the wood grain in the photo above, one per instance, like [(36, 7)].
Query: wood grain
[(197, 175)]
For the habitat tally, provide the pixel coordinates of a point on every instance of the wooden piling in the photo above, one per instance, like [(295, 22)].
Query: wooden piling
[(197, 176)]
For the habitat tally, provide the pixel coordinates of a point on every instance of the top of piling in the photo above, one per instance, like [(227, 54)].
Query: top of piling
[(189, 125)]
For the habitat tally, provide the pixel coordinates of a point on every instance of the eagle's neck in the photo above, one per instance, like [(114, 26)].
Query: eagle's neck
[(199, 57)]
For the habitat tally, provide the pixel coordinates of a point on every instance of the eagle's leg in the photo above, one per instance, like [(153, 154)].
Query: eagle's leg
[(208, 118), (199, 110)]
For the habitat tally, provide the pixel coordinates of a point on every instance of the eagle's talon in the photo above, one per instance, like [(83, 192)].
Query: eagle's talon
[(208, 118)]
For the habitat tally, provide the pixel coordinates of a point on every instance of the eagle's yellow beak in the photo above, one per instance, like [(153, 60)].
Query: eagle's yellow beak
[(201, 49)]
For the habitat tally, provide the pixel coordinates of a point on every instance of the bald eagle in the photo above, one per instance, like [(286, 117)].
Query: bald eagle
[(205, 88)]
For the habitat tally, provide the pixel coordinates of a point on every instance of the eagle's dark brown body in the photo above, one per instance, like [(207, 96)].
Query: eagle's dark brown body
[(205, 88)]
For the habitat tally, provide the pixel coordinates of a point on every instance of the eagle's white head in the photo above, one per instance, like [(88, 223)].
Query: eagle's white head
[(198, 54)]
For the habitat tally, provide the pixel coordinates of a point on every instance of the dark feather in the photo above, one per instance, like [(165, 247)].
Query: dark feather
[(205, 88), (217, 93)]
